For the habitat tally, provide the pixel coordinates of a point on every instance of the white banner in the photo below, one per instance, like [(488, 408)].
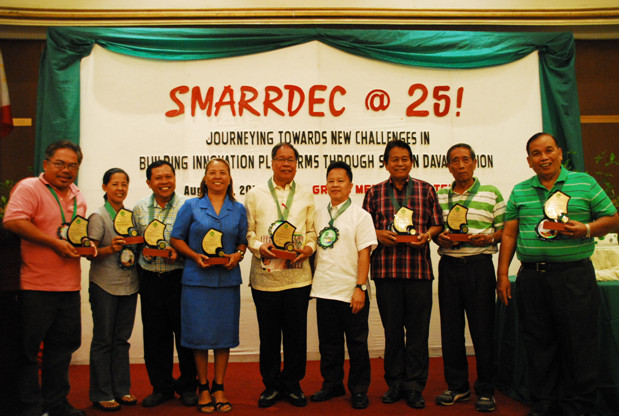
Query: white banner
[(329, 104)]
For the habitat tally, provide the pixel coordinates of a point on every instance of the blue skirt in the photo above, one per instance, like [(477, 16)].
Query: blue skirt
[(210, 317)]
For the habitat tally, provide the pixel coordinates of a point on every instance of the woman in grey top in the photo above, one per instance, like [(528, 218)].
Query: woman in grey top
[(113, 295)]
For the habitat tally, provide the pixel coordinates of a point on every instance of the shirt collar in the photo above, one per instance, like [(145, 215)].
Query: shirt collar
[(170, 203), (73, 189), (205, 202), (405, 182), (340, 204), (453, 184), (285, 188), (535, 182)]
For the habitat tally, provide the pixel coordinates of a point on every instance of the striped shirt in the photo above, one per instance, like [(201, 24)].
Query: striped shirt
[(403, 261), (486, 211), (588, 202), (141, 219)]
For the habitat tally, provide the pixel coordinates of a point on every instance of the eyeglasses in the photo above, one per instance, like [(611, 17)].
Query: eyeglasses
[(285, 159), (60, 165)]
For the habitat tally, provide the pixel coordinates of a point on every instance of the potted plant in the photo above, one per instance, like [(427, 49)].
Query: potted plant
[(606, 179), (608, 161)]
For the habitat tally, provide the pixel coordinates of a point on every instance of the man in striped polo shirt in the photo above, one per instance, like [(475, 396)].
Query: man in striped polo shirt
[(474, 213), (557, 292)]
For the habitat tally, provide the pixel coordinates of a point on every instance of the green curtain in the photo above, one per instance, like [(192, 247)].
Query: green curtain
[(58, 104)]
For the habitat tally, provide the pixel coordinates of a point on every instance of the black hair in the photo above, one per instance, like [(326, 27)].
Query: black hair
[(537, 136), (340, 165), (460, 145), (157, 164), (396, 143), (279, 146), (64, 144)]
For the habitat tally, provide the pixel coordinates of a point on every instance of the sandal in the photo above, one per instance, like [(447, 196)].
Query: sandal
[(206, 407), (127, 400), (107, 405), (222, 407)]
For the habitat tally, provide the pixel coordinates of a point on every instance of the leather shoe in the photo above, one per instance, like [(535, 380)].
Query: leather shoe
[(268, 398), (65, 409), (359, 401), (325, 394), (297, 398), (189, 398), (393, 394), (156, 399), (541, 409), (415, 400)]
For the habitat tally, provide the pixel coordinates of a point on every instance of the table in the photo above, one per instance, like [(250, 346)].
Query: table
[(512, 374), (605, 260)]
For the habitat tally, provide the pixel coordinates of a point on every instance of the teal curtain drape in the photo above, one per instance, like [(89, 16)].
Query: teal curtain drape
[(58, 104)]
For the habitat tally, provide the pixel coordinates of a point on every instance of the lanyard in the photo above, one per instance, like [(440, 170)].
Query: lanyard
[(282, 216), (394, 201), (541, 195), (110, 210), (470, 197), (340, 211), (64, 221), (151, 209)]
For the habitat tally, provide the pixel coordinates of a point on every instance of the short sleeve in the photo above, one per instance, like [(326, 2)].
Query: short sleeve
[(511, 209), (22, 203), (366, 234), (96, 228), (183, 222)]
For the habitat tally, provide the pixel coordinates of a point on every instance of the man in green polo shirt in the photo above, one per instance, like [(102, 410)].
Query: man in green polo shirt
[(473, 213), (557, 292)]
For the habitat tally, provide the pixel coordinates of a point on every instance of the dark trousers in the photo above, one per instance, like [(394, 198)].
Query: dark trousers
[(405, 304), (10, 341), (113, 317), (282, 315), (161, 319), (558, 312), (467, 285), (53, 318), (335, 320)]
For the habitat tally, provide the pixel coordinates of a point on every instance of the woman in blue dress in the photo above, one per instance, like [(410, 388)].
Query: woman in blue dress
[(210, 300)]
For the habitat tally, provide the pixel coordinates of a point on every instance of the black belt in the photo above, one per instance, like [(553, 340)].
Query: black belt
[(551, 267), (467, 259)]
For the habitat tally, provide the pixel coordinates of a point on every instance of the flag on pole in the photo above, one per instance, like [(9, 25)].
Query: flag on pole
[(6, 119)]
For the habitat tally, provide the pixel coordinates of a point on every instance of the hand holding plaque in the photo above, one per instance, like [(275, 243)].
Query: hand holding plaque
[(156, 246), (457, 223), (77, 235), (555, 213), (281, 233), (403, 226), (123, 225), (213, 247)]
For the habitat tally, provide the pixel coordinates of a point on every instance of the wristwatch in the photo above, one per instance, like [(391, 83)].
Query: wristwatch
[(362, 287), (242, 254)]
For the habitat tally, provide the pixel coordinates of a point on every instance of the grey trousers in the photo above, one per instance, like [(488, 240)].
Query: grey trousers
[(113, 318)]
